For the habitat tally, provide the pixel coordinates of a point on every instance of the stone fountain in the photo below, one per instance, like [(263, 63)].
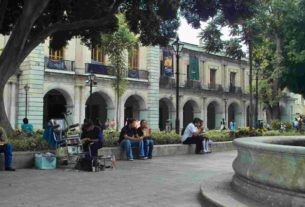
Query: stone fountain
[(269, 171)]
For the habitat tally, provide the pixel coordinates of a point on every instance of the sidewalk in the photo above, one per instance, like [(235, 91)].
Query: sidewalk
[(163, 181)]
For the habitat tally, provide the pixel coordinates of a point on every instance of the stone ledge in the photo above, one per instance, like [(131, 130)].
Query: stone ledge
[(167, 150), (26, 159), (217, 192)]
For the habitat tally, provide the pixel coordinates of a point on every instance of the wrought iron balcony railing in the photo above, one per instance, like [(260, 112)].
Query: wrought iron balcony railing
[(63, 65)]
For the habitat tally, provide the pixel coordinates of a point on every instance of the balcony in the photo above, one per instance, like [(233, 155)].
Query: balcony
[(216, 87), (100, 69), (194, 84), (138, 74), (234, 89), (60, 65), (167, 82)]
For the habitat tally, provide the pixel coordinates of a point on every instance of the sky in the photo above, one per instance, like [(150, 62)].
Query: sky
[(190, 35)]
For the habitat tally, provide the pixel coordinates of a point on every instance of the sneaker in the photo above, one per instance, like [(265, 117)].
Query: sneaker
[(143, 158), (130, 159), (150, 158), (9, 169)]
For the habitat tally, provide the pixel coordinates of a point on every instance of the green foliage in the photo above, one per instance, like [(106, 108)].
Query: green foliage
[(275, 125)]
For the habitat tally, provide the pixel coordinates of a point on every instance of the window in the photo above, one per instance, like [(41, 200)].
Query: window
[(188, 72), (98, 55), (232, 79), (212, 78), (56, 54), (133, 60)]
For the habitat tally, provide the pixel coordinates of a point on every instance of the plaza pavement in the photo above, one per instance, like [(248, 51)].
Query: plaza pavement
[(162, 181)]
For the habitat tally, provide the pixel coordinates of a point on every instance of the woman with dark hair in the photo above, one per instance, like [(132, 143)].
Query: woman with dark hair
[(26, 127), (145, 133)]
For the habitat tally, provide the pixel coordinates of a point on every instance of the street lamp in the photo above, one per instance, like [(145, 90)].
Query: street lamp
[(91, 81), (256, 94), (226, 101), (177, 46), (26, 88)]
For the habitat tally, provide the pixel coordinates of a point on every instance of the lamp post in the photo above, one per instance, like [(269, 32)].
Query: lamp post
[(226, 101), (91, 81), (256, 95), (26, 88), (177, 46)]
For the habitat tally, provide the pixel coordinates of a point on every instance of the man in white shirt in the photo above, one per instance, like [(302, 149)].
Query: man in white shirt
[(192, 135)]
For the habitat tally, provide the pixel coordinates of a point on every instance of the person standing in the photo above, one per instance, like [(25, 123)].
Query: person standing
[(107, 124), (7, 149), (145, 133), (129, 138)]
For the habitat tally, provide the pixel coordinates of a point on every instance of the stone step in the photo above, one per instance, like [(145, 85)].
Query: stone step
[(217, 192)]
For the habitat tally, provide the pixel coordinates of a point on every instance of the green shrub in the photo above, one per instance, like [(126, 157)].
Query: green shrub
[(219, 136), (275, 125), (288, 125)]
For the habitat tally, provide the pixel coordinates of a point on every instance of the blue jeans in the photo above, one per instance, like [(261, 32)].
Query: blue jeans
[(7, 149), (127, 144), (148, 143)]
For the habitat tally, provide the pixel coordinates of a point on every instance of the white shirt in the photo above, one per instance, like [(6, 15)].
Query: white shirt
[(188, 132)]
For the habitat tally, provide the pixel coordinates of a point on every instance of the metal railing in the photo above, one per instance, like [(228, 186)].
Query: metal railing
[(216, 87), (138, 74), (99, 69), (62, 65), (167, 82), (195, 84)]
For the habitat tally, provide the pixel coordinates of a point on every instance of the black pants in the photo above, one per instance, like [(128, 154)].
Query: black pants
[(195, 140)]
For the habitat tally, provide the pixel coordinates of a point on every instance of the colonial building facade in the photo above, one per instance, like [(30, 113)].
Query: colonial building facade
[(212, 87)]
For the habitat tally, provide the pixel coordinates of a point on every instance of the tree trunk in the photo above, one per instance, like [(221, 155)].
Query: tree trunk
[(276, 80), (4, 122), (250, 86)]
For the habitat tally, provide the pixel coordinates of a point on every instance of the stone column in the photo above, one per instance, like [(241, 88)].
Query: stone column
[(13, 104), (224, 82), (33, 75), (204, 112), (153, 67)]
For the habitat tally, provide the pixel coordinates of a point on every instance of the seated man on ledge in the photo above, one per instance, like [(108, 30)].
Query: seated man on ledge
[(91, 134), (7, 150), (145, 133), (129, 138), (192, 135)]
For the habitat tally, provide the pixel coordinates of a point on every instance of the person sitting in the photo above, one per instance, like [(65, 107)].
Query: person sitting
[(193, 135), (129, 137), (112, 124), (107, 124), (26, 127), (91, 134), (7, 149), (145, 133)]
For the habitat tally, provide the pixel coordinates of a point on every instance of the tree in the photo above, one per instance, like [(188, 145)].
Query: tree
[(30, 22), (245, 31), (294, 49), (116, 45)]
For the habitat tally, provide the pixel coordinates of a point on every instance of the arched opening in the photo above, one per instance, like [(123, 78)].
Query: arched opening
[(166, 113), (54, 105), (190, 111), (214, 115), (98, 105), (163, 114), (211, 116), (234, 114), (134, 108)]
